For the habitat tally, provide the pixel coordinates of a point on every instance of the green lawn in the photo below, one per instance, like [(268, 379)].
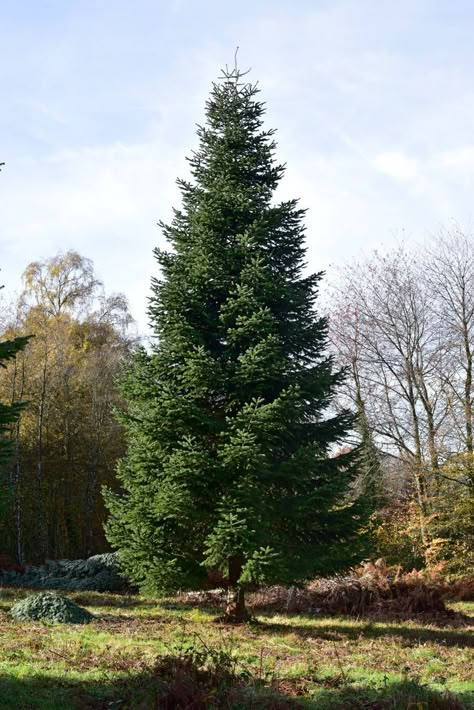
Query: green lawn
[(322, 663)]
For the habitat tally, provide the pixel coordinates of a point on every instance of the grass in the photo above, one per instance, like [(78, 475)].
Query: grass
[(325, 663)]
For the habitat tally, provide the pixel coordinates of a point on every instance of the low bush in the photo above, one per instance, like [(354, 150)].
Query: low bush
[(51, 607)]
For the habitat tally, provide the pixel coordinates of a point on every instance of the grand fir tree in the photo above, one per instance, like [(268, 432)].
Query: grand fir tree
[(229, 463)]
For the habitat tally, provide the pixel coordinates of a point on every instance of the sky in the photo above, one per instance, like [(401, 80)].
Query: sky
[(373, 101)]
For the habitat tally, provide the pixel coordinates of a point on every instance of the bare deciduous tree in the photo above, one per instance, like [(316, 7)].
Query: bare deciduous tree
[(403, 325)]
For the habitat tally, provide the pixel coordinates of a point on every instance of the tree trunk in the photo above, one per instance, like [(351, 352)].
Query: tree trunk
[(236, 611), (17, 394), (468, 393), (90, 503), (42, 532)]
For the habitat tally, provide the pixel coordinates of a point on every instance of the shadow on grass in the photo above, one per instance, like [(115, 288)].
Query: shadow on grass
[(122, 601), (185, 688), (416, 629), (175, 684), (462, 638), (404, 695)]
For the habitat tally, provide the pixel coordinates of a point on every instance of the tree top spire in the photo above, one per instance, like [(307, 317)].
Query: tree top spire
[(234, 74)]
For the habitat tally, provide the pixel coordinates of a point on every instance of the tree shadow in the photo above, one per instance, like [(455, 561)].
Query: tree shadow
[(403, 695), (188, 691), (122, 601), (462, 638), (450, 631), (174, 685)]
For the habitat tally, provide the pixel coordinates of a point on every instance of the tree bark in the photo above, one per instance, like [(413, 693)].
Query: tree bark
[(236, 611), (42, 532), (17, 394)]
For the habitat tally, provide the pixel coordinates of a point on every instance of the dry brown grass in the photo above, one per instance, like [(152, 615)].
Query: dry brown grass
[(462, 590), (369, 591)]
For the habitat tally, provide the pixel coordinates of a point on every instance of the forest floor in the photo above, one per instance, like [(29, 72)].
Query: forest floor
[(281, 660)]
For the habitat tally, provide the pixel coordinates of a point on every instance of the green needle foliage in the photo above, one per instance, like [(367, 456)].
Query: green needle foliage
[(228, 465), (10, 412)]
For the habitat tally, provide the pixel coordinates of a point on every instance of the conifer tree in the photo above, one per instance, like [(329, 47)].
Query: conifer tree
[(229, 462), (9, 412)]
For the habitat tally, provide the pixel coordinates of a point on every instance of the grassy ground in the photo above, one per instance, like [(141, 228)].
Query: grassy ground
[(324, 663)]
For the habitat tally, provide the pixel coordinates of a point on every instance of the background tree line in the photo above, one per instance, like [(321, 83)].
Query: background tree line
[(67, 441), (401, 322)]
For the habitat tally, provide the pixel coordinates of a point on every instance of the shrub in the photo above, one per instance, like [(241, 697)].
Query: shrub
[(51, 607), (451, 527), (397, 536), (402, 535)]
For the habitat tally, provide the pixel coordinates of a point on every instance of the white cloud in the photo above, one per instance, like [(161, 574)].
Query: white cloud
[(397, 165), (104, 201), (99, 128)]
